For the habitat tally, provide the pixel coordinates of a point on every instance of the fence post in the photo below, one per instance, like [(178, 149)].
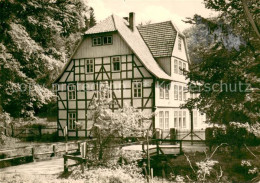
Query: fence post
[(33, 152), (157, 147), (180, 146), (54, 150), (65, 163)]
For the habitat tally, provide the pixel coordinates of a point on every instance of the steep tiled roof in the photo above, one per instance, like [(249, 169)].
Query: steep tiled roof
[(159, 37)]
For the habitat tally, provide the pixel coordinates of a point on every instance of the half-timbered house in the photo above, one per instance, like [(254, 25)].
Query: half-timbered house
[(143, 66)]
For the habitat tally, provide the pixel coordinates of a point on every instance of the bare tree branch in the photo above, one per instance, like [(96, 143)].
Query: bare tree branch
[(250, 18)]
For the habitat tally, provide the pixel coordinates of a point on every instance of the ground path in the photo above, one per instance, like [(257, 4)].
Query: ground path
[(55, 166), (49, 167)]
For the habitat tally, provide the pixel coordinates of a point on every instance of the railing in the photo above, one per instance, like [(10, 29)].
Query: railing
[(30, 153)]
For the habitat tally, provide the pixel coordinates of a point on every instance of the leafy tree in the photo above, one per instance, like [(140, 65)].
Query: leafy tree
[(36, 37), (110, 126), (225, 55)]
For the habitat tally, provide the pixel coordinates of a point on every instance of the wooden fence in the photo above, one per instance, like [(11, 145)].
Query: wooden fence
[(37, 152)]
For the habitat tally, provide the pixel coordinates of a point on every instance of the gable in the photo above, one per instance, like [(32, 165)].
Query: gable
[(87, 50)]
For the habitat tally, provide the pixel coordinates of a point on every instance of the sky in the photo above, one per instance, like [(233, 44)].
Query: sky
[(151, 10)]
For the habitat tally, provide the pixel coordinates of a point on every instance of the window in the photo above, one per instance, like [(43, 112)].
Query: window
[(175, 119), (180, 93), (179, 43), (71, 120), (180, 68), (97, 41), (137, 87), (116, 64), (161, 119), (166, 125), (176, 66), (195, 122), (89, 66), (175, 92), (185, 93), (184, 67), (72, 92), (180, 119), (107, 40), (184, 119), (162, 90), (167, 88)]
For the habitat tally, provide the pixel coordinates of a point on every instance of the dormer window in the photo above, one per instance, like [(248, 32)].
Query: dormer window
[(179, 43), (96, 41), (103, 40), (107, 40)]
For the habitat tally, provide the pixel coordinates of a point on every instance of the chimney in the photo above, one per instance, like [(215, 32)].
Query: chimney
[(132, 20)]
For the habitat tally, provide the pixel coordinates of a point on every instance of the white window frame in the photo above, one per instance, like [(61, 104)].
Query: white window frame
[(161, 119), (71, 92), (89, 65), (180, 119), (184, 120), (176, 94), (180, 68), (185, 93), (166, 120), (176, 69), (161, 86), (137, 89), (184, 67), (179, 43), (113, 61), (180, 93), (175, 119), (167, 90), (195, 118), (71, 120)]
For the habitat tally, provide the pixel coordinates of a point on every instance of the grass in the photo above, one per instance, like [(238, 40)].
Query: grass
[(229, 161)]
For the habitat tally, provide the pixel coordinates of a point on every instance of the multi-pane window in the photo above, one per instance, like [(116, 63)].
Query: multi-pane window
[(137, 89), (116, 64), (105, 40), (175, 92), (195, 122), (179, 42), (184, 119), (175, 119), (71, 120), (180, 68), (184, 67), (180, 93), (161, 90), (180, 119), (176, 66), (161, 120), (72, 92), (97, 41), (166, 124), (89, 66), (185, 93), (167, 88)]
